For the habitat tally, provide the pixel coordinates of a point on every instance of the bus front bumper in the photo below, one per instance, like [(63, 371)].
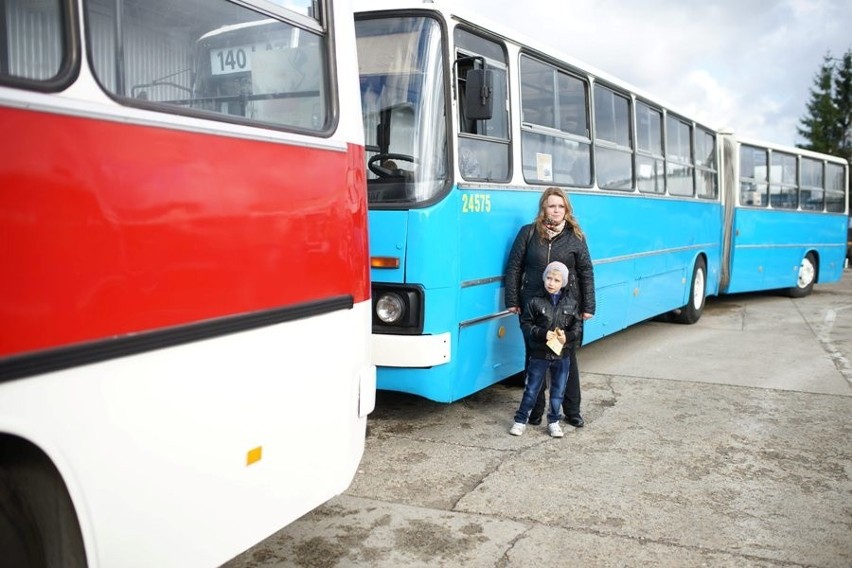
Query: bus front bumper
[(411, 350)]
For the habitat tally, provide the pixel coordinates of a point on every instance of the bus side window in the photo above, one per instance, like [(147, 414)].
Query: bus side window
[(753, 176), (24, 26), (555, 143), (812, 183), (212, 57), (835, 201), (783, 181), (484, 149)]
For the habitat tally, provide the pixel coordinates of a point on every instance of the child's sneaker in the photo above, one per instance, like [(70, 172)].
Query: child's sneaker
[(517, 429), (554, 430)]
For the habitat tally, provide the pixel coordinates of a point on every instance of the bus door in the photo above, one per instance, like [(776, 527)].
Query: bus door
[(729, 202)]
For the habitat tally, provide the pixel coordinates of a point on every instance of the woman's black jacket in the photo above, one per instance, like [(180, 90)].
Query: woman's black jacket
[(530, 255), (540, 316)]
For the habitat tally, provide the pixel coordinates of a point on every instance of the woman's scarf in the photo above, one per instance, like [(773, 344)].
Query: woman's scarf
[(553, 230)]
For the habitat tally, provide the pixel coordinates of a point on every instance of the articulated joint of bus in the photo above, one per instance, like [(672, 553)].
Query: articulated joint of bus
[(398, 339)]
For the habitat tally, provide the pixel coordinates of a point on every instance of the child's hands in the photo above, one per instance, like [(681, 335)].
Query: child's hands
[(558, 335)]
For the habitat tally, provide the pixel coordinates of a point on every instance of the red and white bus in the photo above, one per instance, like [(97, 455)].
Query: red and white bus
[(185, 300)]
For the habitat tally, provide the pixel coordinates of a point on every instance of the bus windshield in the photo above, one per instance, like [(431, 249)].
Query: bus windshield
[(402, 93)]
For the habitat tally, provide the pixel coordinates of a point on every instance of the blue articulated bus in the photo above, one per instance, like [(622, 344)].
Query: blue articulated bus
[(787, 217), (466, 124)]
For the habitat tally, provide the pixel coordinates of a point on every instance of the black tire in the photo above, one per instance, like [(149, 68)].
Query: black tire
[(38, 524), (18, 531), (806, 277), (692, 310)]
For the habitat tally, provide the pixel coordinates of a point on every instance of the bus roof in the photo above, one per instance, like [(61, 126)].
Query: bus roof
[(791, 149)]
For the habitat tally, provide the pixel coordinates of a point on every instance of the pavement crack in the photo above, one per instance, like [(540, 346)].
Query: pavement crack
[(824, 337), (505, 560)]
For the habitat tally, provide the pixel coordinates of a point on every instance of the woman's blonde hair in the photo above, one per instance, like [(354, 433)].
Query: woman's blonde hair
[(570, 220)]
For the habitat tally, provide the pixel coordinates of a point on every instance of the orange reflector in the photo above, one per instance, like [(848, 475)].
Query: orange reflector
[(384, 262), (254, 455)]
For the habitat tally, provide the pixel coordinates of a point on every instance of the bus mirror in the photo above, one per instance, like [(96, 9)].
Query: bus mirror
[(478, 102)]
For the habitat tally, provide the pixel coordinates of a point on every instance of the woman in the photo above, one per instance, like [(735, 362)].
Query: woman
[(554, 235)]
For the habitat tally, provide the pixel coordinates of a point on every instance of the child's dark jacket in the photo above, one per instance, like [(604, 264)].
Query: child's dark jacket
[(541, 316)]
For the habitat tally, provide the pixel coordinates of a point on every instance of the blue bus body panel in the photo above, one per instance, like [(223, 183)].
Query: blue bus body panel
[(769, 245), (644, 250), (457, 251), (388, 234)]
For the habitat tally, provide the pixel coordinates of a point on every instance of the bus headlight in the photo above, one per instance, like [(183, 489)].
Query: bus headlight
[(390, 308), (398, 308)]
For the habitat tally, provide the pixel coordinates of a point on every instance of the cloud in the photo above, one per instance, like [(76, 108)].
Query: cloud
[(744, 64)]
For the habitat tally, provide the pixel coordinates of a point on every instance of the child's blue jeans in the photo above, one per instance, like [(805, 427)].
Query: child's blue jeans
[(536, 371)]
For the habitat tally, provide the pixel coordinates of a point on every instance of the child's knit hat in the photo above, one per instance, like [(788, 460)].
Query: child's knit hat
[(558, 266)]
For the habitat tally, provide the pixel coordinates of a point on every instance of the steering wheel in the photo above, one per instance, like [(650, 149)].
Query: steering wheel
[(376, 164)]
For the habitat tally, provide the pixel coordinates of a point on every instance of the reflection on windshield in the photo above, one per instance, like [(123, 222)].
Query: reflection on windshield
[(263, 70), (403, 108)]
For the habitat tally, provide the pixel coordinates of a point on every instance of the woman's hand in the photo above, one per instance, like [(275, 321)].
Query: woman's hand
[(514, 310), (588, 316)]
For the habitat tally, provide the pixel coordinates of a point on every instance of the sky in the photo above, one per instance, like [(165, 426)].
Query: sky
[(747, 65)]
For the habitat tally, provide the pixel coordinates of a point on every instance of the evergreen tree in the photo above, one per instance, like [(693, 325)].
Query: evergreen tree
[(820, 125), (827, 126), (843, 104)]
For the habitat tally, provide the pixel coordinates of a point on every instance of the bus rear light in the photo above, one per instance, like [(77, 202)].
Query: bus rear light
[(384, 262)]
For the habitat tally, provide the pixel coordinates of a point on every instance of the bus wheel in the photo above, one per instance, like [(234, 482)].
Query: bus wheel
[(807, 277), (38, 524), (691, 312)]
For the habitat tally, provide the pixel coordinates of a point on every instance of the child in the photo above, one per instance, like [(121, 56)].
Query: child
[(549, 322)]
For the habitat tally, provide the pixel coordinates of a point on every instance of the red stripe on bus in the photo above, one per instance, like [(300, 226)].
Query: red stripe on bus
[(110, 229)]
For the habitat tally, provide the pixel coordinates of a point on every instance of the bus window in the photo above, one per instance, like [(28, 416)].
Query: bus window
[(679, 157), (307, 8), (783, 186), (613, 143), (555, 139), (813, 192), (835, 198), (33, 47), (753, 180), (649, 149), (705, 164), (483, 144), (403, 111), (214, 57)]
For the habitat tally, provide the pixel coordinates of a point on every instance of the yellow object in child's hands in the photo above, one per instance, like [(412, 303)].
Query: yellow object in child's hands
[(556, 340)]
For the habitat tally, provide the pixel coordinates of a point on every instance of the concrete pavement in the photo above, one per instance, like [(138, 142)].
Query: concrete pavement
[(724, 443)]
